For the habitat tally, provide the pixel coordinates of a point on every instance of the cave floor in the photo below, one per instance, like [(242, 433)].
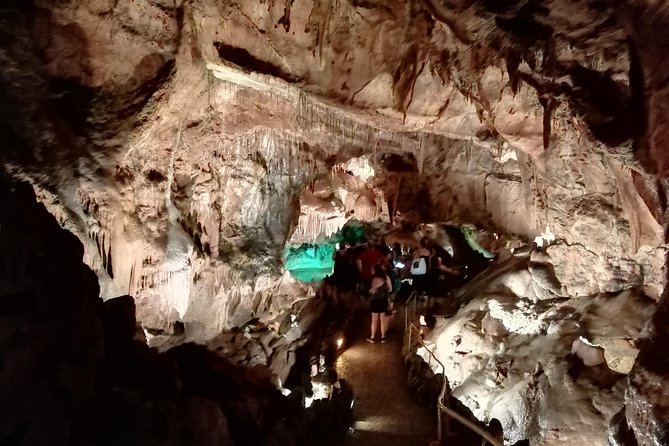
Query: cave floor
[(386, 413)]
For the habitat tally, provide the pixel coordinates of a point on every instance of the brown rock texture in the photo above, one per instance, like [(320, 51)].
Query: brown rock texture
[(175, 139), (73, 372)]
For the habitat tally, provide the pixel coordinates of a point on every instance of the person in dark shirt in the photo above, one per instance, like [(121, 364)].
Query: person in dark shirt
[(341, 272), (441, 273), (380, 287)]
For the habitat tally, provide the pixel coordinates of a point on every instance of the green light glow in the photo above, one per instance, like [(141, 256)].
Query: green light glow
[(312, 262), (308, 262), (470, 236)]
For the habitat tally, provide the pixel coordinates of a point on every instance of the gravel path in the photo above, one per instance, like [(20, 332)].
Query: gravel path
[(385, 411)]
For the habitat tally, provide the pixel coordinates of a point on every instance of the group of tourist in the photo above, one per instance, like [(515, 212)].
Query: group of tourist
[(376, 271)]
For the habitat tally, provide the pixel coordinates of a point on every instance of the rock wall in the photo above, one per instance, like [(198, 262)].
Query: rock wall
[(550, 368), (183, 191), (75, 371), (174, 139)]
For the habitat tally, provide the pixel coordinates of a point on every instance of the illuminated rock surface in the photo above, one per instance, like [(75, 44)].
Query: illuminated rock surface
[(186, 143), (550, 368)]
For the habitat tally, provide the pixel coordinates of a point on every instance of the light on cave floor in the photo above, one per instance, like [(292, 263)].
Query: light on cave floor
[(320, 391), (422, 320), (586, 342), (340, 343), (376, 424)]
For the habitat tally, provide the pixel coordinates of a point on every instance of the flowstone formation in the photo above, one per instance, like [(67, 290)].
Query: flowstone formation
[(550, 367), (175, 139)]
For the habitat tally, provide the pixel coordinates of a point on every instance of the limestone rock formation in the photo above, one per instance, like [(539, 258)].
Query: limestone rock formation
[(74, 374), (198, 124), (550, 368), (175, 139)]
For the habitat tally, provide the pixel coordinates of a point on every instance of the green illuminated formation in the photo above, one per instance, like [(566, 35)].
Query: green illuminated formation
[(470, 236), (310, 263)]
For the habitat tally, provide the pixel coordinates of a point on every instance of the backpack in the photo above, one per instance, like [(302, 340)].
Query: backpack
[(419, 267)]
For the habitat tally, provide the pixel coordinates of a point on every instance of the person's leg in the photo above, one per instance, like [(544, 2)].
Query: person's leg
[(363, 289), (384, 326), (374, 326)]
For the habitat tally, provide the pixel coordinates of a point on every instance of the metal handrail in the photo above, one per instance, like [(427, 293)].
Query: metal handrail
[(487, 437), (412, 297), (441, 406), (412, 326)]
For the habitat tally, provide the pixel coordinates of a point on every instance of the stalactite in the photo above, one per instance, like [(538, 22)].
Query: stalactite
[(548, 105)]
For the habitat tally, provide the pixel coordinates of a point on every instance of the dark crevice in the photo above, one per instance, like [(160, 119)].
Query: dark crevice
[(244, 59), (74, 101), (525, 28), (603, 104), (637, 104), (285, 19)]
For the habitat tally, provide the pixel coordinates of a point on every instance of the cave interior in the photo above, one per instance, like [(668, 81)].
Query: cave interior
[(176, 176)]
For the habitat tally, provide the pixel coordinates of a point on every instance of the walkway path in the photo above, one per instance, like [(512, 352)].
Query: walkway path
[(385, 412)]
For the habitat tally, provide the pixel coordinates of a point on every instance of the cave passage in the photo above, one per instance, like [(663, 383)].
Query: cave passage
[(175, 177), (385, 411), (395, 391)]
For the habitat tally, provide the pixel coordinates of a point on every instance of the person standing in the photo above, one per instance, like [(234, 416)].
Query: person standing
[(396, 282), (419, 267), (378, 304), (441, 274), (366, 262), (340, 273)]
